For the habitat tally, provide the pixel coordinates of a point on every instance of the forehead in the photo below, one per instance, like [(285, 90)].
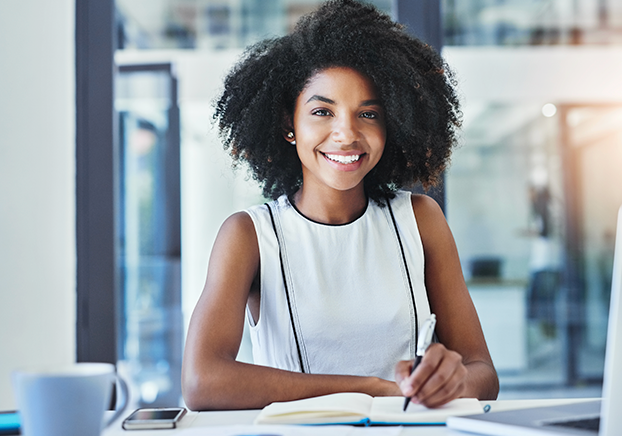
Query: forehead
[(340, 80)]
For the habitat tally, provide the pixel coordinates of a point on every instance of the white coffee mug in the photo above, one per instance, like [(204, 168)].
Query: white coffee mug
[(67, 400)]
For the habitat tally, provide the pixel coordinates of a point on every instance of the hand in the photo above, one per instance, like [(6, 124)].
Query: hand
[(438, 379)]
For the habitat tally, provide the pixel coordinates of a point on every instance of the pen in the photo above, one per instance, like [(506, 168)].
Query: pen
[(423, 342)]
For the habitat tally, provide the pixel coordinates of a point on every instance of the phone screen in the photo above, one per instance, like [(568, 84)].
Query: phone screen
[(143, 415)]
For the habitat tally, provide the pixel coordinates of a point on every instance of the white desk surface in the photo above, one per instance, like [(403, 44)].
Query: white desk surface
[(212, 422)]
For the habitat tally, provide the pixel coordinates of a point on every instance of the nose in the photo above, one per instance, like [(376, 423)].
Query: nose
[(345, 130)]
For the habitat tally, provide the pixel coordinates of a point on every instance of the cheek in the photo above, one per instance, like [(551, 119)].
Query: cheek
[(379, 147), (378, 139), (311, 133)]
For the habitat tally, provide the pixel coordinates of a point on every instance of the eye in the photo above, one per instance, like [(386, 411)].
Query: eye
[(369, 115), (321, 112)]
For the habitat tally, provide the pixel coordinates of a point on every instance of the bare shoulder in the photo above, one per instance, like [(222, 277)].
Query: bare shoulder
[(238, 229), (239, 224), (427, 211), (424, 203), (236, 245)]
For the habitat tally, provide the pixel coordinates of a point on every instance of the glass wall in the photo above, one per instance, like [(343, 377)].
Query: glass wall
[(210, 24), (532, 22), (531, 195), (503, 204), (531, 200), (221, 24)]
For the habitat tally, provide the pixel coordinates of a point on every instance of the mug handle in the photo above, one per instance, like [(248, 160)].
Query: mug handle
[(122, 402)]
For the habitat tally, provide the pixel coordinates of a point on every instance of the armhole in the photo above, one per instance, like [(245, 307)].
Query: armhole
[(249, 318), (252, 325)]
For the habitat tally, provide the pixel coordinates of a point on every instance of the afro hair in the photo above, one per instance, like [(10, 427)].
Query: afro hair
[(415, 87)]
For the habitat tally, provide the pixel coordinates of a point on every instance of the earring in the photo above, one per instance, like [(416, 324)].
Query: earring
[(290, 135)]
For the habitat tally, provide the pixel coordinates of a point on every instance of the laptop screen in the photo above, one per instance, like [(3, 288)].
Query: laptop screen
[(611, 419)]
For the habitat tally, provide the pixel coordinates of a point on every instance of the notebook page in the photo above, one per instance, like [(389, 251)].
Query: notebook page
[(389, 410), (341, 404)]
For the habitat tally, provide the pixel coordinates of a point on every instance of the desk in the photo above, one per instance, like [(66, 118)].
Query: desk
[(245, 417)]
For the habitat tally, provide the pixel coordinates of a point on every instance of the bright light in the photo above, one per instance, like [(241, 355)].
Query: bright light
[(149, 391), (549, 109)]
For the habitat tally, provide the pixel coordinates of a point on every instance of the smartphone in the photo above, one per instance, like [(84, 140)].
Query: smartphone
[(154, 418)]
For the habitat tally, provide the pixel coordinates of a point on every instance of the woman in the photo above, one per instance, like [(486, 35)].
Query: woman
[(338, 273)]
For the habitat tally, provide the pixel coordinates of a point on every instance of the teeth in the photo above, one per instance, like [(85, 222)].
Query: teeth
[(343, 159)]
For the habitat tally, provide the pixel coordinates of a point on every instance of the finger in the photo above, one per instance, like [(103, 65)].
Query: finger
[(440, 400), (410, 385), (446, 383), (449, 391), (403, 377), (428, 366), (449, 371), (445, 364)]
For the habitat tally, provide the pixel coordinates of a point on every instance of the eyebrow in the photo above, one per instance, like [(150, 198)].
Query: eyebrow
[(374, 102), (320, 98)]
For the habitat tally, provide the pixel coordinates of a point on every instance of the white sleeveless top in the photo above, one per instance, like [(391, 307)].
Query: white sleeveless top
[(351, 301)]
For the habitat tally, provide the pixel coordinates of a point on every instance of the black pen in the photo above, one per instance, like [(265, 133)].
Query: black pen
[(423, 342)]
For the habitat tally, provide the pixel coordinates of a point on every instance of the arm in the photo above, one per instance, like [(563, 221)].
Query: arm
[(211, 377), (460, 365)]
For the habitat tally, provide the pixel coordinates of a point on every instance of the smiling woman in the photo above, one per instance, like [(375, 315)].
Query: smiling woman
[(336, 276), (411, 82)]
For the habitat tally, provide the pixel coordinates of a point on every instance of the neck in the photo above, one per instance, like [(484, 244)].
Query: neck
[(332, 207)]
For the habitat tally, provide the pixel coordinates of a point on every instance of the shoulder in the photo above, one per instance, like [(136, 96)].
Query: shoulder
[(238, 229), (235, 249), (239, 221), (425, 203), (430, 218), (426, 208)]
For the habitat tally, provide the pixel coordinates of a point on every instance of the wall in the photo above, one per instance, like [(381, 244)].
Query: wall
[(37, 184)]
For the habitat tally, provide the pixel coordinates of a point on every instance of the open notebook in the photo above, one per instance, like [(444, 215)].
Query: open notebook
[(571, 419), (362, 409)]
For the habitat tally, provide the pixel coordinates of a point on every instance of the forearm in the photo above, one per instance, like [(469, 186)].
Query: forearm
[(226, 384), (481, 381)]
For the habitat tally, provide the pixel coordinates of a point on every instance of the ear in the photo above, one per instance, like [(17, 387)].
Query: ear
[(287, 128), (288, 135)]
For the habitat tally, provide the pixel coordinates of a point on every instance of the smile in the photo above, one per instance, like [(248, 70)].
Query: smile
[(343, 159)]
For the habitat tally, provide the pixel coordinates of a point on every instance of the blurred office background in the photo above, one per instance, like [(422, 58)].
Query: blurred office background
[(531, 196)]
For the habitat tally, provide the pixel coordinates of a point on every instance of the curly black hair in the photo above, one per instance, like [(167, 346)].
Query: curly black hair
[(415, 87)]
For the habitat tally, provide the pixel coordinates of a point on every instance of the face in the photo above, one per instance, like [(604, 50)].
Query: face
[(339, 129)]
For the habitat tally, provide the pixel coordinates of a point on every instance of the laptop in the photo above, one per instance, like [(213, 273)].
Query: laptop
[(575, 418)]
